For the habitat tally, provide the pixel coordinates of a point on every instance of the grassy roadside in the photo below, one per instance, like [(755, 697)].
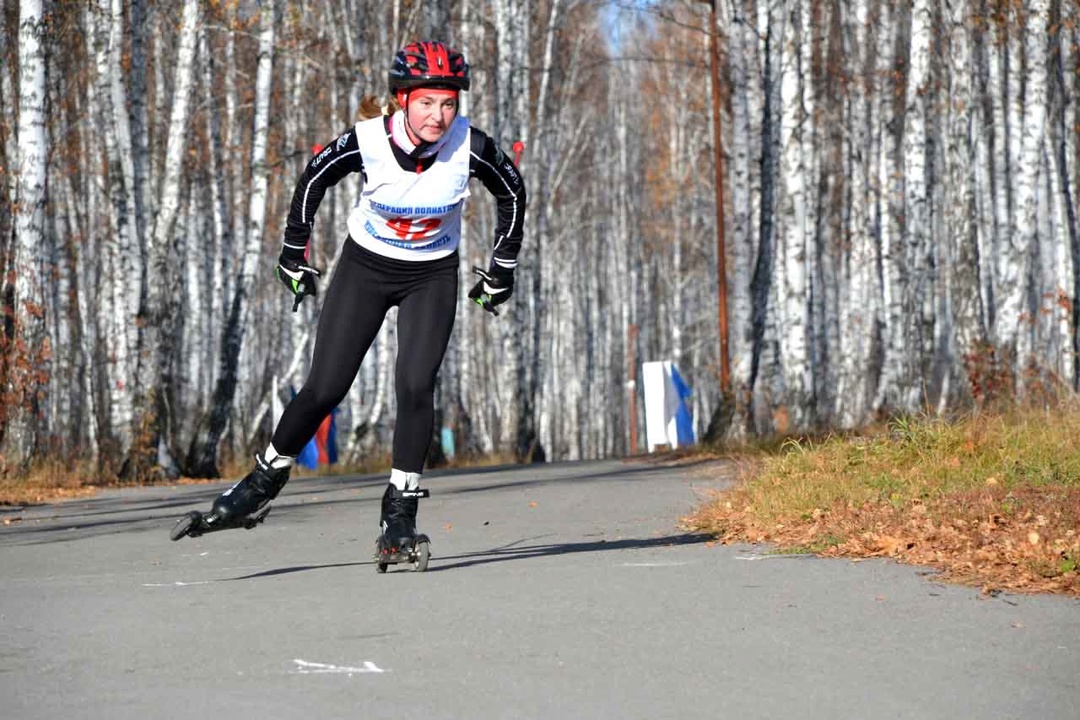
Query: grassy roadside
[(47, 482), (990, 501)]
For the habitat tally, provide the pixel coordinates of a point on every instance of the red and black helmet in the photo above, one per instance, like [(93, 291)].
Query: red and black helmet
[(428, 64)]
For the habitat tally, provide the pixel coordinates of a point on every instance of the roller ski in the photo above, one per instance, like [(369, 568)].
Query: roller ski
[(245, 505), (399, 542)]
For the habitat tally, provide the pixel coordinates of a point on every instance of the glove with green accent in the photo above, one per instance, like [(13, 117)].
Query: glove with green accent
[(494, 288), (298, 277)]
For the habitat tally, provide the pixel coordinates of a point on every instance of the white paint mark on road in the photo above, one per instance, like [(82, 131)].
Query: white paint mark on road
[(303, 667), (654, 564), (774, 557), (178, 583)]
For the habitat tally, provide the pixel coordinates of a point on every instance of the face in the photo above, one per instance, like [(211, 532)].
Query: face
[(430, 112)]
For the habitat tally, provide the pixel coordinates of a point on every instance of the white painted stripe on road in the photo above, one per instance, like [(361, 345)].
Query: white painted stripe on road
[(654, 564), (791, 556), (178, 583), (303, 667)]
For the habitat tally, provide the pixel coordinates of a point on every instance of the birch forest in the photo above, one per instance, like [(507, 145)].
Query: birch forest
[(898, 203)]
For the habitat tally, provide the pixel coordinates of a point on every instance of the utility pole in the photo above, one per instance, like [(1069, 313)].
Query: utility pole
[(721, 248), (725, 409)]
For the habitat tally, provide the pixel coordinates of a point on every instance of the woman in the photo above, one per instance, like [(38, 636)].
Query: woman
[(416, 162)]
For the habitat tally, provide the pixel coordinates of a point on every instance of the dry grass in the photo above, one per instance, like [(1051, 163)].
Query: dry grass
[(49, 481), (991, 501)]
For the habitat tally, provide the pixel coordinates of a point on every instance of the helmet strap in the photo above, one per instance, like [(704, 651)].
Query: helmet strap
[(403, 101), (421, 145)]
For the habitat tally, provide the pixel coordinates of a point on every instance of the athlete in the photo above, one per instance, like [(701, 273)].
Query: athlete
[(416, 158)]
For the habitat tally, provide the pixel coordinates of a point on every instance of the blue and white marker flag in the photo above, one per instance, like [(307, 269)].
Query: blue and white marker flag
[(684, 422), (668, 420)]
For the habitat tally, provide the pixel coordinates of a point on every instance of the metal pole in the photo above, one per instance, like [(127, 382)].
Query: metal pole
[(721, 250)]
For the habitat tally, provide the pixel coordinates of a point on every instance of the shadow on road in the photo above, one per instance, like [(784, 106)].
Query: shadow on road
[(514, 551), (526, 552), (296, 569)]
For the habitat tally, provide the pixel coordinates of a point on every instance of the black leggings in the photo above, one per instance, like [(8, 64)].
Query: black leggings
[(364, 287)]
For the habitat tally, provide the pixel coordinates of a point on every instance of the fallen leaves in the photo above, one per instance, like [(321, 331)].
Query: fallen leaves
[(1020, 540)]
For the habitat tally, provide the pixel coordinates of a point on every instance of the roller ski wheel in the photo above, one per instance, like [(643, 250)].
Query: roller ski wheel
[(195, 523), (418, 554), (244, 505), (399, 542)]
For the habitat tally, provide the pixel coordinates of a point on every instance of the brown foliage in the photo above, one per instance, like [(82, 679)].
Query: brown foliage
[(1022, 540)]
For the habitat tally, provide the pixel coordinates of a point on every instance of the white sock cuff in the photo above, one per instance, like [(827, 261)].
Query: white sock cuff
[(404, 480), (276, 460)]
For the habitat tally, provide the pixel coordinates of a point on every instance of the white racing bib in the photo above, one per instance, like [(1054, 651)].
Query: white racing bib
[(408, 215)]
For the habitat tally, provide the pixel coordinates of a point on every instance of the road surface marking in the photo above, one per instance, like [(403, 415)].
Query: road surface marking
[(303, 667), (178, 583)]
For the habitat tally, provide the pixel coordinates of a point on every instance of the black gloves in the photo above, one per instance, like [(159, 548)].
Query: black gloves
[(298, 277), (494, 288)]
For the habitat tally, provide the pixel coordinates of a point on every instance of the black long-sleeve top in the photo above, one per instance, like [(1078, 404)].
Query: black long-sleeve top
[(339, 158)]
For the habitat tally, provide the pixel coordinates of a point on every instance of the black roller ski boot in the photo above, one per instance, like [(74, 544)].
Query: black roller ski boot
[(399, 542), (245, 504)]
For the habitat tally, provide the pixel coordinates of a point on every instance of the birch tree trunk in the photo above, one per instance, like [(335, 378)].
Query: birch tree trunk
[(797, 143), (963, 282), (202, 457), (122, 277), (221, 243), (234, 133), (84, 369), (8, 143), (25, 360), (997, 161), (990, 206), (527, 311), (1072, 156), (826, 22), (150, 456), (550, 148), (1062, 137), (859, 314), (510, 125), (537, 187), (918, 290), (141, 24), (1008, 255), (121, 127), (895, 280), (745, 95), (1013, 326), (761, 284)]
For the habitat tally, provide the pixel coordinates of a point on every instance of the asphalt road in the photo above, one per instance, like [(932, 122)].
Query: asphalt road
[(554, 591)]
